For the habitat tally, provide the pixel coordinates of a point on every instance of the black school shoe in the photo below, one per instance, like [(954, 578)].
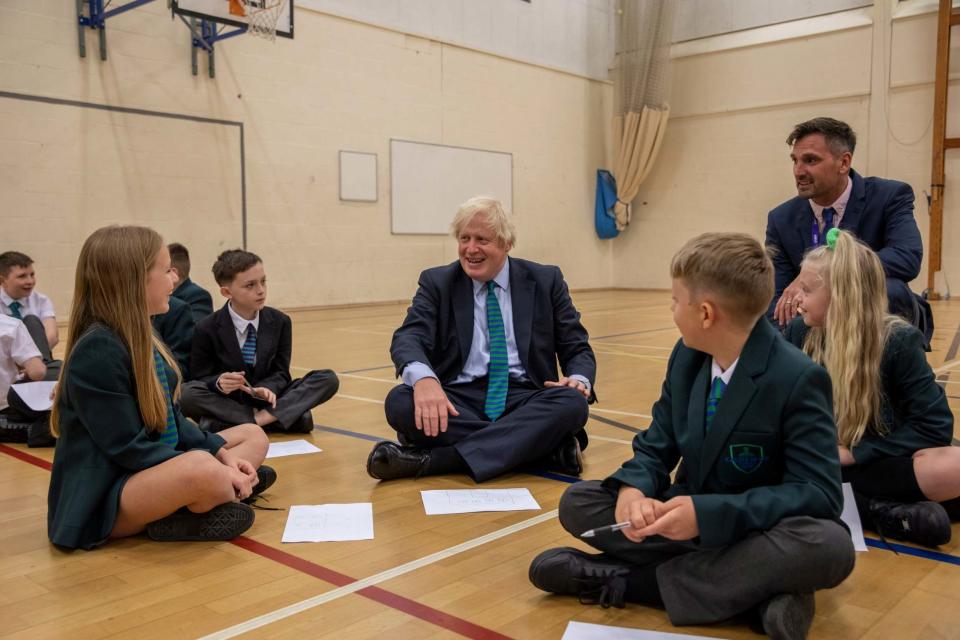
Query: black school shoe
[(787, 616), (594, 578), (925, 523), (566, 459), (266, 476), (223, 522)]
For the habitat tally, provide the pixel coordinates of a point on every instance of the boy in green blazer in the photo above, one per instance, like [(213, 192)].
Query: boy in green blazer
[(751, 520)]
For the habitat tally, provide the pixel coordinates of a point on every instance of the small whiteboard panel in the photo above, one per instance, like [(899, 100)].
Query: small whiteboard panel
[(358, 176), (430, 181)]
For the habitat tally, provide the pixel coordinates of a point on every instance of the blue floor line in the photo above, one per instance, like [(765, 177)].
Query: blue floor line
[(927, 554)]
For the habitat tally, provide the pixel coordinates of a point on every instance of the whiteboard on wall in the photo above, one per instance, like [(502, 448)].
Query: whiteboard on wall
[(428, 182)]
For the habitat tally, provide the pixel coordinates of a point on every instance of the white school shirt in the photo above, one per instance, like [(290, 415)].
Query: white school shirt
[(16, 347)]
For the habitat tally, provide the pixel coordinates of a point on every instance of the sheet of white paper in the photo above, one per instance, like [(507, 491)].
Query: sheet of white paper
[(36, 394), (585, 631), (852, 518), (329, 522), (476, 500), (290, 448)]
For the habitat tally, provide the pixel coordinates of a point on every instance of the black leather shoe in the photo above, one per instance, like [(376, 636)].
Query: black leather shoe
[(788, 616), (596, 579), (266, 476), (389, 461), (567, 458), (223, 522), (925, 522), (206, 423), (303, 424)]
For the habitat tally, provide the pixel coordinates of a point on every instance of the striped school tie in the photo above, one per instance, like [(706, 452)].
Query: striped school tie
[(716, 392), (169, 435), (497, 370), (249, 350), (15, 310)]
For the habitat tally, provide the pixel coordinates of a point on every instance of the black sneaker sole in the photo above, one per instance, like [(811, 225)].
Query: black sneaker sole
[(223, 522)]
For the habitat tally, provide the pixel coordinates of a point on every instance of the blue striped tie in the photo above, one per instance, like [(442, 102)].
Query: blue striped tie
[(15, 310), (716, 392), (249, 350), (497, 370), (828, 214), (169, 435)]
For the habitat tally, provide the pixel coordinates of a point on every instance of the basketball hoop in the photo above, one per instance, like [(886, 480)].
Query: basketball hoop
[(262, 17)]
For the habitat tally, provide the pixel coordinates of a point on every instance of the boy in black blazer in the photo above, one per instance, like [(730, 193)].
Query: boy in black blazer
[(751, 520), (240, 359)]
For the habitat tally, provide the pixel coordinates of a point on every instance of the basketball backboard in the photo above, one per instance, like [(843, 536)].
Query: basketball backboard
[(232, 12)]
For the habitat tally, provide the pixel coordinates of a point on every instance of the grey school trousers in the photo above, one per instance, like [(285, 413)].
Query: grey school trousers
[(705, 585), (301, 395)]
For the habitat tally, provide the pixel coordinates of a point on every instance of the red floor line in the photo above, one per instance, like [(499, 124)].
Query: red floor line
[(382, 596)]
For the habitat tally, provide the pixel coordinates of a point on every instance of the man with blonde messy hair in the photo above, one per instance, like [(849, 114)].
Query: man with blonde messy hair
[(478, 356)]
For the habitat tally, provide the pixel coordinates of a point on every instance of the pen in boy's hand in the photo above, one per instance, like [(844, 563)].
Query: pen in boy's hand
[(612, 527)]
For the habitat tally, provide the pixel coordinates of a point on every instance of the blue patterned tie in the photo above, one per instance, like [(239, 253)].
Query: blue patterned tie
[(497, 370), (15, 310), (169, 435), (249, 350), (828, 214), (716, 392)]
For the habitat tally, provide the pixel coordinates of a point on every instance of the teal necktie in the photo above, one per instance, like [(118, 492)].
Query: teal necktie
[(497, 370), (716, 392), (15, 310), (169, 435)]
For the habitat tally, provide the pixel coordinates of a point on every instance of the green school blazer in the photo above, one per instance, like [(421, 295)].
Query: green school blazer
[(103, 440), (914, 410), (771, 451)]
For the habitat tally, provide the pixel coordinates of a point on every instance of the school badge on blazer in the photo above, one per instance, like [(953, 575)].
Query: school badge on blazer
[(746, 457)]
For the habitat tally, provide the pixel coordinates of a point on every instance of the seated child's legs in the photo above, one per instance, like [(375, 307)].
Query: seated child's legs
[(195, 480), (247, 441), (938, 472), (198, 401), (799, 555)]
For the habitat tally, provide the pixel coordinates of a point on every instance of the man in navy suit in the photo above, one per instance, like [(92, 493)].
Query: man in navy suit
[(478, 356), (830, 193)]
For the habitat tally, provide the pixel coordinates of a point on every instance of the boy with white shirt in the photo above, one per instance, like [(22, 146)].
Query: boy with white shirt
[(19, 299), (240, 359), (19, 360)]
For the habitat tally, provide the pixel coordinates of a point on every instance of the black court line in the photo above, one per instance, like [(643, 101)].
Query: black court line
[(632, 333), (158, 114), (352, 434), (386, 366), (614, 423)]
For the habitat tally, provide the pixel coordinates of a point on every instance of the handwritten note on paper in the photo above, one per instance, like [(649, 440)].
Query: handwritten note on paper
[(585, 631), (35, 394), (329, 523), (852, 518), (290, 448), (444, 502)]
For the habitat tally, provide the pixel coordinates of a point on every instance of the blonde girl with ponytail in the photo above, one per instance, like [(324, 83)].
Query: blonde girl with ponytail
[(894, 426), (126, 459)]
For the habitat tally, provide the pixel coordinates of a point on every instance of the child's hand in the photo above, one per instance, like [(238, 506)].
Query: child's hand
[(846, 456), (676, 519), (265, 394), (231, 381), (636, 508), (242, 474)]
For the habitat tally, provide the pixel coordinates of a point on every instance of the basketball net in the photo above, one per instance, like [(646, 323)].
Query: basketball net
[(262, 17)]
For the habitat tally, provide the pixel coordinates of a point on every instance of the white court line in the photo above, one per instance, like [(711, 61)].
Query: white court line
[(630, 355), (638, 346), (606, 439), (364, 331), (946, 367), (353, 375), (358, 398), (622, 413), (389, 574)]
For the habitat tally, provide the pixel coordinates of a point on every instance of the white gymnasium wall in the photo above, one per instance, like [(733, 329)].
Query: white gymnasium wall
[(724, 164), (339, 85)]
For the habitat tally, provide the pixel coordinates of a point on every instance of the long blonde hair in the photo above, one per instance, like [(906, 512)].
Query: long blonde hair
[(110, 289), (855, 331)]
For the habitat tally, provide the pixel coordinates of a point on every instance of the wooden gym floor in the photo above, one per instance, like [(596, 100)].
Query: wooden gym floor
[(421, 577)]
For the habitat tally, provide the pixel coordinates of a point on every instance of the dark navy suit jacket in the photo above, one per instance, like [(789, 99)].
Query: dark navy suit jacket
[(438, 329), (879, 213)]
